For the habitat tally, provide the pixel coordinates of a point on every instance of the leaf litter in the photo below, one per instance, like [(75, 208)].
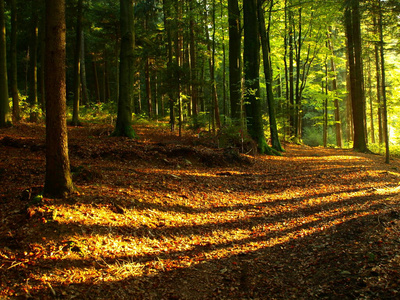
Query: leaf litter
[(165, 217)]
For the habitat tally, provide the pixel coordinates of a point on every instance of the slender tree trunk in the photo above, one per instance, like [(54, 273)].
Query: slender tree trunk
[(5, 116), (193, 63), (385, 114), (265, 43), (338, 124), (85, 95), (167, 24), (292, 104), (123, 126), (148, 88), (77, 65), (32, 77), (325, 91), (96, 80), (58, 181), (179, 60), (14, 66), (224, 94), (235, 78), (212, 70)]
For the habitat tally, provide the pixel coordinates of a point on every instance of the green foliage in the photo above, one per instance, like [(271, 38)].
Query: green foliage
[(98, 112)]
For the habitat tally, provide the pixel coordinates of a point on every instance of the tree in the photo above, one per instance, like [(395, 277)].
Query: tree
[(5, 116), (77, 64), (354, 49), (264, 34), (251, 58), (235, 79), (58, 180), (33, 49), (14, 65), (123, 126)]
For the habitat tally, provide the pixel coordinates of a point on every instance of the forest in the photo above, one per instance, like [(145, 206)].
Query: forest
[(199, 149)]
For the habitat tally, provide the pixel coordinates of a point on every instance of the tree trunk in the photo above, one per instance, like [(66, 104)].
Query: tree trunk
[(14, 66), (251, 58), (353, 33), (77, 65), (58, 181), (32, 77), (148, 88), (264, 34), (193, 63), (235, 77), (5, 117), (212, 70), (385, 114), (338, 123), (85, 95), (127, 57)]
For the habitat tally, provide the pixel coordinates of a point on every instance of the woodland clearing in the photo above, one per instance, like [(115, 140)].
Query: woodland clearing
[(164, 217)]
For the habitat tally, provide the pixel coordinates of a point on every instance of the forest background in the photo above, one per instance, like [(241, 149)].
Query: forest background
[(185, 72), (168, 102)]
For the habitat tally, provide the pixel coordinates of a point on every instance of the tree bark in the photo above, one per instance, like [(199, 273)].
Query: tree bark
[(235, 78), (251, 58), (264, 34), (353, 33), (14, 66), (126, 79), (32, 76), (5, 117), (58, 181), (77, 65)]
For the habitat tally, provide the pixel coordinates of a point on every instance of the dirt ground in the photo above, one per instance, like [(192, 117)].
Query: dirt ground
[(164, 217)]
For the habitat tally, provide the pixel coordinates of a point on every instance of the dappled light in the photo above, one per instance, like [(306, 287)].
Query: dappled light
[(157, 226)]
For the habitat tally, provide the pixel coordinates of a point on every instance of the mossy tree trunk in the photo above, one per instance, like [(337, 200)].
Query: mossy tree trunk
[(251, 58)]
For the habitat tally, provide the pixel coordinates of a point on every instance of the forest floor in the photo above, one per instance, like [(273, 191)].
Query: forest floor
[(164, 217)]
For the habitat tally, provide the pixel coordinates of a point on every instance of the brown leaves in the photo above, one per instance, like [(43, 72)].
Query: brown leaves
[(148, 224)]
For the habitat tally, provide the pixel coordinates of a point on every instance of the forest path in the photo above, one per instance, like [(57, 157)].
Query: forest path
[(165, 217)]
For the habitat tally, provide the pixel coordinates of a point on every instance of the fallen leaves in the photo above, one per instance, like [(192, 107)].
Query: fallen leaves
[(148, 224)]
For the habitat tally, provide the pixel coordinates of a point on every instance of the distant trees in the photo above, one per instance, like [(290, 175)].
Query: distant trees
[(184, 62)]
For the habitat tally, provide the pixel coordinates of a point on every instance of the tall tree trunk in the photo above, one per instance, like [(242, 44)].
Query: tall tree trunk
[(85, 95), (235, 78), (123, 126), (5, 116), (353, 33), (385, 114), (338, 124), (14, 66), (77, 64), (325, 91), (193, 63), (251, 58), (58, 181), (179, 62), (292, 104), (212, 70), (32, 77), (167, 24), (378, 85), (266, 51), (148, 88)]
